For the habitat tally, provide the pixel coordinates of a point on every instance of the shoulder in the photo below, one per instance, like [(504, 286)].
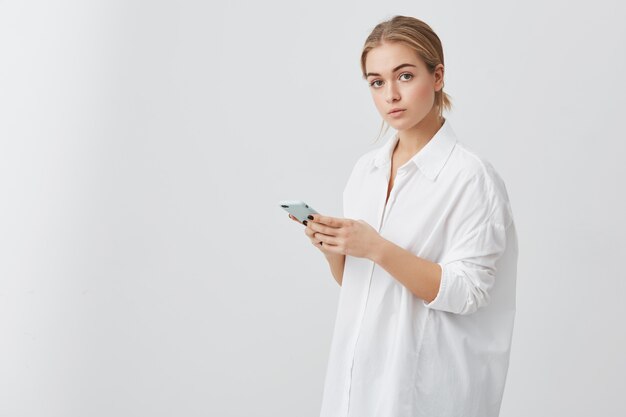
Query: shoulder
[(467, 163), (478, 175)]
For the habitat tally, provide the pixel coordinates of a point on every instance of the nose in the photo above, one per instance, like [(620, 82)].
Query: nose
[(392, 94)]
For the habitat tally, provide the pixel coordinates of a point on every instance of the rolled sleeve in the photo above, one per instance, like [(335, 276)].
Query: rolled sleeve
[(469, 272)]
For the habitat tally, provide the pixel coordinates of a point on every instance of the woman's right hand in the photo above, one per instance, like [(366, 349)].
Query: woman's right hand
[(309, 232)]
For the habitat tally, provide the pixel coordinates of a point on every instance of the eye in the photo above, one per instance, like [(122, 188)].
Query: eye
[(373, 83)]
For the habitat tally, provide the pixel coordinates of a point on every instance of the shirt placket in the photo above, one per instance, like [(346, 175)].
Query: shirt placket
[(385, 214)]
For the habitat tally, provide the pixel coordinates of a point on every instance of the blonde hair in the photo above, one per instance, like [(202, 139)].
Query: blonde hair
[(417, 35)]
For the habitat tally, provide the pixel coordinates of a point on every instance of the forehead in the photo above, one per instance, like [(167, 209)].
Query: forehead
[(383, 58)]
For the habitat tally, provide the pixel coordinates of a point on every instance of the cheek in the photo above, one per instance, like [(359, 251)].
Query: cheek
[(422, 91), (419, 91), (426, 92)]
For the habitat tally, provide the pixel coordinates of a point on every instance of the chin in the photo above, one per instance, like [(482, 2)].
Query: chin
[(400, 124)]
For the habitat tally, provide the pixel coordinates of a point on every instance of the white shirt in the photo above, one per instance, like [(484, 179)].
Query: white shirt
[(394, 355)]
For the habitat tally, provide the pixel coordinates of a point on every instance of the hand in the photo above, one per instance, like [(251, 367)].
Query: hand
[(315, 242), (343, 236)]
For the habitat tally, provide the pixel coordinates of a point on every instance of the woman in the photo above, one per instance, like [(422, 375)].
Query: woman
[(426, 253)]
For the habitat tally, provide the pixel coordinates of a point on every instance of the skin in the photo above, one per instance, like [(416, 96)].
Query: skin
[(412, 88)]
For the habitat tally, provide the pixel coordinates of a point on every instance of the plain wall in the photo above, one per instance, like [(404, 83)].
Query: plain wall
[(147, 268)]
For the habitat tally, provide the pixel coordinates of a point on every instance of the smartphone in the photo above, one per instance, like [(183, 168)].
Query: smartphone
[(298, 209)]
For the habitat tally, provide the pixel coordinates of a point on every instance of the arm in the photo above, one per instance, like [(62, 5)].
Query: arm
[(336, 263), (420, 276), (462, 283)]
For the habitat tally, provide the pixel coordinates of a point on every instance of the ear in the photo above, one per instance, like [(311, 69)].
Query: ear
[(438, 74)]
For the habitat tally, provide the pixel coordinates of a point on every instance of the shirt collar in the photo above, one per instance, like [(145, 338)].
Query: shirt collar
[(430, 159)]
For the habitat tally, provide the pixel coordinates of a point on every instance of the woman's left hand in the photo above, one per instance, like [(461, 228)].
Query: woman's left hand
[(345, 236)]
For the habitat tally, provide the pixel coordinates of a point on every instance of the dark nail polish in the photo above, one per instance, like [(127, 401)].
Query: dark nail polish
[(304, 222), (310, 217)]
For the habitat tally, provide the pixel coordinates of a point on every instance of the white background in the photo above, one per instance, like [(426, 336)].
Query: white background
[(146, 267)]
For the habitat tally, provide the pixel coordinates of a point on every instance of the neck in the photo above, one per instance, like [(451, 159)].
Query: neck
[(416, 137)]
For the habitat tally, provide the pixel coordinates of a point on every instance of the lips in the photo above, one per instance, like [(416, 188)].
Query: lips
[(396, 111)]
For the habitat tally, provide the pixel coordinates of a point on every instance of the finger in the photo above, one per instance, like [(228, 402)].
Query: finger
[(322, 228), (313, 235), (318, 237), (294, 219), (326, 246), (318, 229), (325, 239), (309, 231), (327, 220), (311, 228)]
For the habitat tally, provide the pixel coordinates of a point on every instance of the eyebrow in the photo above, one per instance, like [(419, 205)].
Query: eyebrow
[(394, 70)]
